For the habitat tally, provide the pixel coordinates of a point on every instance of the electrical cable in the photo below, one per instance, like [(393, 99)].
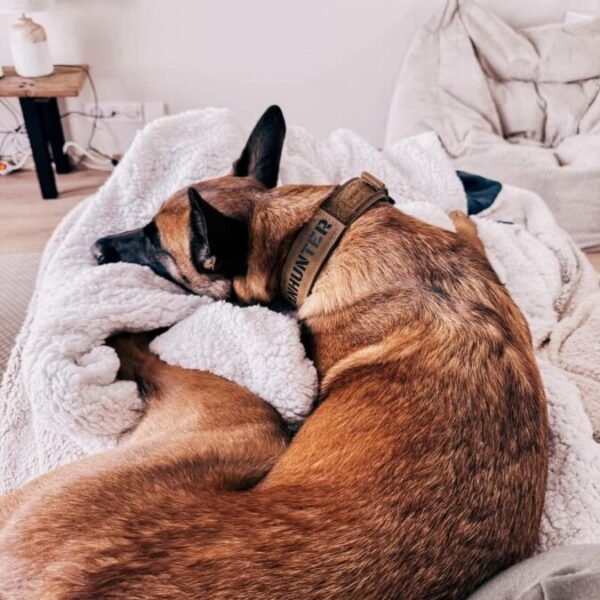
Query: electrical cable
[(14, 113), (10, 133), (95, 115), (87, 157)]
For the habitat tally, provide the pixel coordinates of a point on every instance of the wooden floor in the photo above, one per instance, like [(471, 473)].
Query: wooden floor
[(26, 220)]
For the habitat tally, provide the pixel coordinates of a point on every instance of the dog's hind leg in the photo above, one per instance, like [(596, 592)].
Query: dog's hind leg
[(201, 435), (225, 436), (175, 394), (217, 414)]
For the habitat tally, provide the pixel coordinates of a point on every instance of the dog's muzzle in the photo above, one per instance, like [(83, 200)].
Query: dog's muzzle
[(130, 247)]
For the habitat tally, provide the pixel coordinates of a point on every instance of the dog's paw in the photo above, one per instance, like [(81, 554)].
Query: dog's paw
[(129, 345)]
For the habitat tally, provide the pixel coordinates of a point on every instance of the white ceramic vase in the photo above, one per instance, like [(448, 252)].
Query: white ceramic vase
[(29, 48)]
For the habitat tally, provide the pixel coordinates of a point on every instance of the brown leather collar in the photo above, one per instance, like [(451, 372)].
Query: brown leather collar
[(317, 239)]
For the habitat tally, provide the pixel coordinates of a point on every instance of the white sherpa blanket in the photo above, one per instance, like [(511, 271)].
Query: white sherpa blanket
[(522, 107), (59, 399)]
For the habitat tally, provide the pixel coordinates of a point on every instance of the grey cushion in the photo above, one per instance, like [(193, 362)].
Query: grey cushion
[(568, 573), (17, 277)]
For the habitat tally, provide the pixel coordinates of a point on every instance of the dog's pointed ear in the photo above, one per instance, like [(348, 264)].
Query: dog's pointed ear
[(218, 243), (262, 154)]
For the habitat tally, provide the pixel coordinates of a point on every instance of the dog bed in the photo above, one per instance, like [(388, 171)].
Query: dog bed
[(59, 399), (522, 107)]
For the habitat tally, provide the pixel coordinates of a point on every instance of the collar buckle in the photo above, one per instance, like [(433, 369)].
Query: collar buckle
[(373, 182)]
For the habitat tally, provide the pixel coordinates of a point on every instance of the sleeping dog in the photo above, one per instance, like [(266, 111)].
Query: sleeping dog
[(421, 473)]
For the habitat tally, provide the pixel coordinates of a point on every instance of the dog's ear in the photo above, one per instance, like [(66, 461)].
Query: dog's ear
[(262, 154), (218, 243)]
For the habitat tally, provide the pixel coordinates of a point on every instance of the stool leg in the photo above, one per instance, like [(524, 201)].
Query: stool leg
[(55, 134), (39, 146)]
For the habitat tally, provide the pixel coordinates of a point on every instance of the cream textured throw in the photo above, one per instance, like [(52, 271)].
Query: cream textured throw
[(522, 107), (59, 399)]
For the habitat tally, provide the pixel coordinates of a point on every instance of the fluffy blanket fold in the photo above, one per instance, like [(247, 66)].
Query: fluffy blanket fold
[(522, 106), (59, 399)]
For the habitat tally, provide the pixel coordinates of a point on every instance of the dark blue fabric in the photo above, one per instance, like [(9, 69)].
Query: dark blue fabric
[(481, 192)]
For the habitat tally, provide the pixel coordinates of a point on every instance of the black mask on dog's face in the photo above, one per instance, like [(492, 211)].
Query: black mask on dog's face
[(190, 241), (139, 246)]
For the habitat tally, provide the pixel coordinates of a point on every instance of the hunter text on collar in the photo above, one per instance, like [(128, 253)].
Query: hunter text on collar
[(316, 240)]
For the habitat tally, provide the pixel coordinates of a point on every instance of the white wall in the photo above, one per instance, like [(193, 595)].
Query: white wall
[(328, 63)]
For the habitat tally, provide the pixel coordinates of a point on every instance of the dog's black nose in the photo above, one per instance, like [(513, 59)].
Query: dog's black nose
[(105, 253)]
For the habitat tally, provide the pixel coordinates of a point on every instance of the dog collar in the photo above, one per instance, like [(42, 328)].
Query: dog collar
[(317, 239)]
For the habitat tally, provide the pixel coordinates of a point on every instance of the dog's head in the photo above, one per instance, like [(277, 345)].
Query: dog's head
[(235, 228), (199, 237)]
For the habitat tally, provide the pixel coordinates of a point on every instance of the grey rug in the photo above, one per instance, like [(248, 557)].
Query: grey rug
[(17, 279)]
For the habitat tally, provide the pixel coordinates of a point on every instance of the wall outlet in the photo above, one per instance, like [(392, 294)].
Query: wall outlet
[(131, 112)]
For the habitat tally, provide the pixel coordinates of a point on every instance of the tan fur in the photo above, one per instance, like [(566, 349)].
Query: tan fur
[(421, 473), (234, 196)]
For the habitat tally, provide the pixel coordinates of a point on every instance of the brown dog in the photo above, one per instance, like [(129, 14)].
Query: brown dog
[(421, 473)]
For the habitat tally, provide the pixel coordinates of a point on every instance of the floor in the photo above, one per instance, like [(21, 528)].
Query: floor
[(27, 221), (17, 274)]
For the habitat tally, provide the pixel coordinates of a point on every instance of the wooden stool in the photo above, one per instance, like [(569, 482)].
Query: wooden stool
[(42, 119)]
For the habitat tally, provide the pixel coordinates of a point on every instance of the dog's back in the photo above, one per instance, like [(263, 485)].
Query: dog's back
[(431, 443), (421, 474)]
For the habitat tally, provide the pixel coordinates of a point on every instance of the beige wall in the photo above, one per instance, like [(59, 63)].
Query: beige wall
[(329, 63)]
